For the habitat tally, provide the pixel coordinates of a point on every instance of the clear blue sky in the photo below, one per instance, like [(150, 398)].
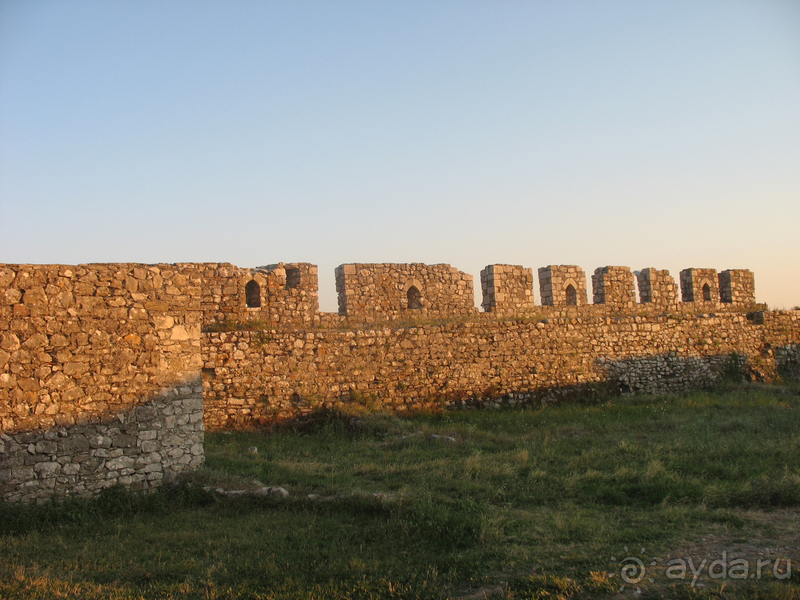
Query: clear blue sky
[(645, 134)]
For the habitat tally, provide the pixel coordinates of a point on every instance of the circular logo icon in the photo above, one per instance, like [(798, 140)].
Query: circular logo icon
[(631, 570)]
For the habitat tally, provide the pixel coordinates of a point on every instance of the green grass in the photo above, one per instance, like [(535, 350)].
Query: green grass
[(527, 503)]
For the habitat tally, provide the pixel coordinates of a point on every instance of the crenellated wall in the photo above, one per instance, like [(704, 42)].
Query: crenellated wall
[(657, 344), (100, 365)]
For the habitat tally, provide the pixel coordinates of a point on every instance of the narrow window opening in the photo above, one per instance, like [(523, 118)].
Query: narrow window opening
[(292, 278), (414, 298), (572, 295), (252, 292), (706, 293)]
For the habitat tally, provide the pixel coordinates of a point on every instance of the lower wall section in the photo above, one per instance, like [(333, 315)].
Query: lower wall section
[(672, 374), (257, 377), (151, 443)]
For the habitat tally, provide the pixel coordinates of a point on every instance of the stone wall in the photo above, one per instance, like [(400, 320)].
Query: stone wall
[(100, 365), (737, 287), (388, 291), (253, 378), (562, 285), (283, 294), (507, 289), (140, 448), (658, 289), (613, 286), (99, 376)]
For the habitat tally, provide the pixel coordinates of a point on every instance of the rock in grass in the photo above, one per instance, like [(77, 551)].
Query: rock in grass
[(444, 438), (262, 491), (321, 498), (272, 491)]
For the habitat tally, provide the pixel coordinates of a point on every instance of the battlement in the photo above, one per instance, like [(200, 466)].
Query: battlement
[(286, 294), (737, 287), (700, 286), (613, 286), (507, 289), (108, 372), (658, 289), (282, 293), (562, 285), (395, 291)]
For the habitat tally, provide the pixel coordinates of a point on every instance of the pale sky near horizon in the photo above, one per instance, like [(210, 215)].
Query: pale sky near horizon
[(644, 134)]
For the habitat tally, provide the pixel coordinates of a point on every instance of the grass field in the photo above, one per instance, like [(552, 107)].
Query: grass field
[(536, 503)]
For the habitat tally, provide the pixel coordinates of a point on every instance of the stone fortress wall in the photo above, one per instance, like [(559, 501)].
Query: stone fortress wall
[(389, 349), (100, 377), (108, 373)]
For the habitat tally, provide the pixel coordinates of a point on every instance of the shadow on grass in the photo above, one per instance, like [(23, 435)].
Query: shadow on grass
[(450, 523)]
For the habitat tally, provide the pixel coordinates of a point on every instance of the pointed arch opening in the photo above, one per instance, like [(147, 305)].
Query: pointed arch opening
[(572, 295), (414, 298), (706, 293), (252, 293)]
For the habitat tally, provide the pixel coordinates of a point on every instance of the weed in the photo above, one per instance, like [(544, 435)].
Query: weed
[(734, 369), (231, 324), (260, 339)]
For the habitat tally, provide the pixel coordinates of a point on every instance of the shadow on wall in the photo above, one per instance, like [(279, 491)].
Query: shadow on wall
[(658, 374), (787, 359), (140, 447), (670, 374)]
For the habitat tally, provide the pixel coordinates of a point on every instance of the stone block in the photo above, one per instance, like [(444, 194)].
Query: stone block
[(121, 462), (47, 469)]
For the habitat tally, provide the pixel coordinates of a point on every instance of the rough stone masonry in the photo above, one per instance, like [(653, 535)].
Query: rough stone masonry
[(100, 379), (110, 372)]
